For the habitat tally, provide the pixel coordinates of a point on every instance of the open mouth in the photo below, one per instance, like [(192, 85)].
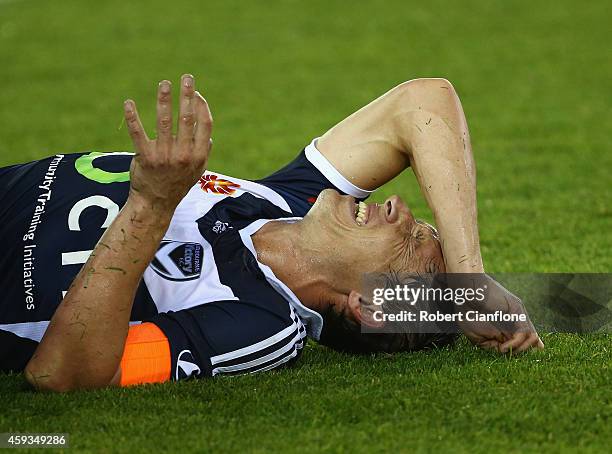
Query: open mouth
[(361, 213)]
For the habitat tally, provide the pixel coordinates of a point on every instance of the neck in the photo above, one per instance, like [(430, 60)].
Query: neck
[(299, 264)]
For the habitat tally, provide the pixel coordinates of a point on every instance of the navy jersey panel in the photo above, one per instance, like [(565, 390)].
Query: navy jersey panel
[(52, 214), (15, 351), (299, 183), (231, 337)]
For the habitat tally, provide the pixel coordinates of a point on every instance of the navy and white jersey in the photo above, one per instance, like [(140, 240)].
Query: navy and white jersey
[(222, 311)]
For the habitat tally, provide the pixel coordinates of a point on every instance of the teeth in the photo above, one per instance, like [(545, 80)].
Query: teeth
[(360, 213)]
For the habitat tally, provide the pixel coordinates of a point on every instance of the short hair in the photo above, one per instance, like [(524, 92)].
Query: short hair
[(344, 335)]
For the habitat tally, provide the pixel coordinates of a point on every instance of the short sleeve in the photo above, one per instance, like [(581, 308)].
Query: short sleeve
[(231, 338), (301, 181)]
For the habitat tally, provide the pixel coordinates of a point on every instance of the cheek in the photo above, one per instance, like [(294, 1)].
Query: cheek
[(368, 249), (389, 247)]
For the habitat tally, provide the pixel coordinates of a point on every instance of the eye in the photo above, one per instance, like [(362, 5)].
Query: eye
[(419, 235)]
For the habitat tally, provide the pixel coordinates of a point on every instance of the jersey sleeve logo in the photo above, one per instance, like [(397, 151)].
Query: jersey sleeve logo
[(212, 183)]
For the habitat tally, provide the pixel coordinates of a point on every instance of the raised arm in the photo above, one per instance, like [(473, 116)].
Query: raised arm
[(421, 124), (83, 346)]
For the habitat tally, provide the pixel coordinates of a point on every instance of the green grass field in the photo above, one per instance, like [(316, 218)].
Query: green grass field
[(535, 79)]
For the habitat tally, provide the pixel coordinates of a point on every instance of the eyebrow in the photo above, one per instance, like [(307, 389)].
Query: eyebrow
[(434, 231)]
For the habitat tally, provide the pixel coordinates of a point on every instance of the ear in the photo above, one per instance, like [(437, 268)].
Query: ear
[(364, 313)]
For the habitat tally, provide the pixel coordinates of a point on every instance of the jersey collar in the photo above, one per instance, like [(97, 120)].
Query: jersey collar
[(312, 319)]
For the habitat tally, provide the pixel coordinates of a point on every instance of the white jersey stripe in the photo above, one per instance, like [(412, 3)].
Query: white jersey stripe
[(255, 347), (75, 258), (27, 330), (279, 362), (264, 359)]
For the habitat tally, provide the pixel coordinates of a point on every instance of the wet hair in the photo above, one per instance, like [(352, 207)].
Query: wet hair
[(344, 335)]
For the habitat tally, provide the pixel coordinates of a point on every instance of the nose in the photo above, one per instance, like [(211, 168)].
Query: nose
[(394, 208)]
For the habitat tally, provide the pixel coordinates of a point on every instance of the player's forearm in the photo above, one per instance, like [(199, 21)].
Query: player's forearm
[(441, 157), (432, 130), (83, 345)]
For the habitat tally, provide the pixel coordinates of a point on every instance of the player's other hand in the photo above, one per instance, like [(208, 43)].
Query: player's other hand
[(515, 337), (165, 168)]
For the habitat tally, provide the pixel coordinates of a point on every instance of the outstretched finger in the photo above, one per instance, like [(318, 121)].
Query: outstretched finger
[(203, 142), (134, 125), (164, 115), (186, 121)]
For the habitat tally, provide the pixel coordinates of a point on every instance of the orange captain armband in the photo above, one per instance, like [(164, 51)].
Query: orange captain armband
[(146, 357)]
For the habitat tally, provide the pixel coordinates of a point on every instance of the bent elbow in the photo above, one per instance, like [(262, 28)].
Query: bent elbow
[(44, 381), (426, 84), (436, 96), (433, 94), (442, 83)]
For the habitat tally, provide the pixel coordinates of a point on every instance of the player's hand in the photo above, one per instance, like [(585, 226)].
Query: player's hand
[(165, 168), (504, 337)]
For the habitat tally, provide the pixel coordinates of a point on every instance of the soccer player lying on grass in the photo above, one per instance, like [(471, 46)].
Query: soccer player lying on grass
[(226, 275)]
